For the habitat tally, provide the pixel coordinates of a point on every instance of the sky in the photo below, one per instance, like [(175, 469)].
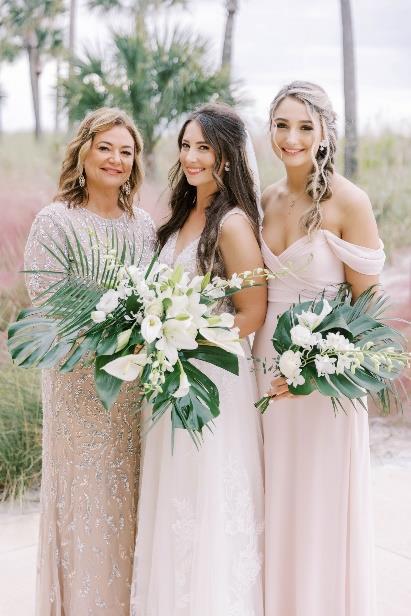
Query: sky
[(274, 42)]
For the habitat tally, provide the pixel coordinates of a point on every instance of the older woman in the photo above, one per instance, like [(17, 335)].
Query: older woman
[(90, 456)]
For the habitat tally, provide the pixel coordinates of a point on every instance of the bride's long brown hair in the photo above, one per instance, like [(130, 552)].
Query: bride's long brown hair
[(226, 134)]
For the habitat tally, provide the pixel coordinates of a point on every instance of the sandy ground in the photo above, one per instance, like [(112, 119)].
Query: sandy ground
[(391, 456)]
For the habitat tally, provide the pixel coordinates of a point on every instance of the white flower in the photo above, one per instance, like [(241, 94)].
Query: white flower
[(136, 273), (336, 342), (236, 281), (225, 319), (124, 290), (122, 339), (312, 320), (127, 368), (155, 307), (343, 362), (289, 364), (196, 283), (151, 327), (303, 337), (176, 335), (98, 316), (325, 365), (184, 386), (109, 301), (224, 338)]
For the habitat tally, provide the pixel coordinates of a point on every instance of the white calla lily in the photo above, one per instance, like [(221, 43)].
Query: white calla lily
[(122, 339), (184, 386), (223, 338), (151, 327), (127, 368)]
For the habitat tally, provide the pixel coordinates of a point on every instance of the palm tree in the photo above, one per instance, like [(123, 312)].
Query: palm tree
[(31, 26), (350, 93), (155, 78), (232, 8)]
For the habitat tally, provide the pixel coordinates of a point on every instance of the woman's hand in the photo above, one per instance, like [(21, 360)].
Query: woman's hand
[(279, 389)]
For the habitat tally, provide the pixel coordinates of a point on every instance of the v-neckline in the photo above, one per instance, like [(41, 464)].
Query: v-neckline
[(177, 255)]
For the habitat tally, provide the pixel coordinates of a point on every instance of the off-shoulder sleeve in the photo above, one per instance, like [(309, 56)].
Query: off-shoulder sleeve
[(45, 237), (148, 232), (363, 260)]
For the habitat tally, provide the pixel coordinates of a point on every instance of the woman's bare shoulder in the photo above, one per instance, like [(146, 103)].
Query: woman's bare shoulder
[(271, 193)]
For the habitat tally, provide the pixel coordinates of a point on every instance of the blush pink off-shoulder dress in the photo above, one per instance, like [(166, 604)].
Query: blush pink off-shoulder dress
[(318, 546)]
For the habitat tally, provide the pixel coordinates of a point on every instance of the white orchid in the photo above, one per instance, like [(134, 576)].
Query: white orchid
[(336, 342), (325, 365), (127, 368), (311, 319), (151, 327), (227, 339), (236, 281), (108, 302), (176, 335)]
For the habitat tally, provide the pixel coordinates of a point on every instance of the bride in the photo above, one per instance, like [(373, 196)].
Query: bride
[(199, 548)]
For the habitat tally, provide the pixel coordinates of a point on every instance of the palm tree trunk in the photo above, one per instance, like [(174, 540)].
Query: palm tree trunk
[(35, 71), (350, 93), (71, 51), (226, 60)]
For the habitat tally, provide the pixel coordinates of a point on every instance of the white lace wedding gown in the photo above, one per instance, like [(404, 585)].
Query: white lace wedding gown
[(199, 547)]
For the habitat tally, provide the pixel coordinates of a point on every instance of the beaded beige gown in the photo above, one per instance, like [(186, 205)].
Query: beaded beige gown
[(90, 456)]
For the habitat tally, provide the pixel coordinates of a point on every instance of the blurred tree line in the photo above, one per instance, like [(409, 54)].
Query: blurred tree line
[(156, 75)]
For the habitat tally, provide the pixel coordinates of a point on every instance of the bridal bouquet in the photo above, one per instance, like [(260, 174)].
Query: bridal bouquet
[(340, 349), (132, 322)]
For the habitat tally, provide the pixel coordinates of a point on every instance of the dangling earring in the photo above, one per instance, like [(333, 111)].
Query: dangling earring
[(82, 180), (227, 166), (126, 188), (323, 145)]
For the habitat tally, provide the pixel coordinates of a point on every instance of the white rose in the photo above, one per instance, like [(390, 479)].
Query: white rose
[(109, 301), (302, 336), (98, 316), (151, 327), (325, 365), (289, 363)]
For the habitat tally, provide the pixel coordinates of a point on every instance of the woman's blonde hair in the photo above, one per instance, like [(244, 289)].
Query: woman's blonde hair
[(318, 186), (98, 121)]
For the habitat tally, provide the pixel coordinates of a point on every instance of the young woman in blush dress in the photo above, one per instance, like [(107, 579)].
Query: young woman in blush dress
[(90, 456), (199, 548), (318, 520)]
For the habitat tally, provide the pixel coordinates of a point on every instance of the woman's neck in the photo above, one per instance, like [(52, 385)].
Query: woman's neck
[(297, 178), (204, 196), (103, 202)]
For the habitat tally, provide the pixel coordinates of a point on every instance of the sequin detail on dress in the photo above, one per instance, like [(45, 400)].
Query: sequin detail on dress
[(90, 456)]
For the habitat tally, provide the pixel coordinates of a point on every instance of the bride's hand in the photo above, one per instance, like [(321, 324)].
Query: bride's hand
[(279, 389)]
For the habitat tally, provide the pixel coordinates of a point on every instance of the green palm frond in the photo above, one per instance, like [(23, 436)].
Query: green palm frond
[(61, 322)]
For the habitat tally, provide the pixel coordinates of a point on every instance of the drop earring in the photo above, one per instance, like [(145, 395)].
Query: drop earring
[(227, 166), (82, 180), (126, 188), (323, 145)]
